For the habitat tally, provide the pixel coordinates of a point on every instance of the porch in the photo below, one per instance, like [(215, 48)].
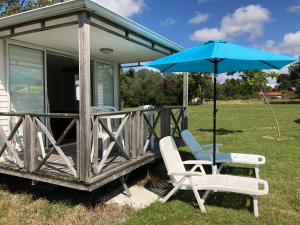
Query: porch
[(62, 66), (133, 143)]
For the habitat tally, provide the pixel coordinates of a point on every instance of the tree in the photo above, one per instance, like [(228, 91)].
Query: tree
[(200, 85), (9, 7), (285, 83), (232, 88), (172, 89), (291, 80), (252, 81), (294, 71)]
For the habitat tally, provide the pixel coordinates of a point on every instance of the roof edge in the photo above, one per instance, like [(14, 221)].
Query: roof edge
[(91, 6)]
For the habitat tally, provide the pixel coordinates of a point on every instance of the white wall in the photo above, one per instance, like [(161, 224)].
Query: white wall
[(3, 88)]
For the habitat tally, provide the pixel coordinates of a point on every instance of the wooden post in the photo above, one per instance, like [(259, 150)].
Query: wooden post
[(85, 136), (185, 100), (165, 122), (133, 135), (27, 142), (141, 133), (96, 145), (117, 96), (30, 152)]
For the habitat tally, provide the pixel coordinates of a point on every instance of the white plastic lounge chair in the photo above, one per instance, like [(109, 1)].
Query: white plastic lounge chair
[(200, 153), (196, 181)]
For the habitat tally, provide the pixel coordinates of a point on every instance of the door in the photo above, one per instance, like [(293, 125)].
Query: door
[(26, 79)]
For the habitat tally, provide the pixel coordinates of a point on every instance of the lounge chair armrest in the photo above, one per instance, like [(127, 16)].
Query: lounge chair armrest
[(261, 159), (265, 186), (186, 174), (197, 162)]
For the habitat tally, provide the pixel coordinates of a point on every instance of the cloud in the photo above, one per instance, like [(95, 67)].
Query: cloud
[(248, 20), (170, 21), (123, 7), (294, 8), (199, 18), (207, 34), (289, 45)]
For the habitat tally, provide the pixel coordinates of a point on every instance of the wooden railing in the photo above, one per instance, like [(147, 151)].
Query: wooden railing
[(28, 133), (137, 133), (130, 135)]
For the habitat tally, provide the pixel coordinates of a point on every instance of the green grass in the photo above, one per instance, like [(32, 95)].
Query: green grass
[(243, 127)]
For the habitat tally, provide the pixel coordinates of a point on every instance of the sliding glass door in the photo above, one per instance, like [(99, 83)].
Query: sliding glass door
[(26, 79)]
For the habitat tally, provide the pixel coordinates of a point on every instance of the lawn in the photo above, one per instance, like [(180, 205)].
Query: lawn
[(241, 128)]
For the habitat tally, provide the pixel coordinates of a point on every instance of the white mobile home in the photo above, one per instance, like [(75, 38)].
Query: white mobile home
[(59, 70)]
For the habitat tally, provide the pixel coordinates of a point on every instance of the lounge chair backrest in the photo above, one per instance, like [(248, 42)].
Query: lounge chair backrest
[(171, 157), (191, 142)]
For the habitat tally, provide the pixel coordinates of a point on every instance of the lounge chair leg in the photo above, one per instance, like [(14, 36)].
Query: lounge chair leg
[(255, 206), (199, 200), (220, 168), (176, 187), (256, 171), (205, 195)]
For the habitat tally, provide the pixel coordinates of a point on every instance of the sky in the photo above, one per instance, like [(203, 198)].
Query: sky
[(272, 25), (267, 24)]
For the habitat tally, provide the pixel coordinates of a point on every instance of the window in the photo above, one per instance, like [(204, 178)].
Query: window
[(104, 85), (26, 79)]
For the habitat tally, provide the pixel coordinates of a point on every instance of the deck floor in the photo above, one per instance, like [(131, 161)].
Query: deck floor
[(57, 171)]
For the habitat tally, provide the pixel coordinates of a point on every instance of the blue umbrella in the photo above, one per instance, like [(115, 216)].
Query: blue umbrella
[(218, 56)]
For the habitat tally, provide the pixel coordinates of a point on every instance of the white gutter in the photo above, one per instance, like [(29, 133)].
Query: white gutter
[(90, 5)]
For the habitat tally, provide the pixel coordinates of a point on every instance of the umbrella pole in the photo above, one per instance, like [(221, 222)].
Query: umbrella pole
[(214, 167)]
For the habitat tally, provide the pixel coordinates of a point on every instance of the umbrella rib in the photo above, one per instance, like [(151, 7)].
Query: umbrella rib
[(269, 64), (168, 67), (215, 61)]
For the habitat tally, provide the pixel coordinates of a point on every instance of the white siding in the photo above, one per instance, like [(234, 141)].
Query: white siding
[(3, 88)]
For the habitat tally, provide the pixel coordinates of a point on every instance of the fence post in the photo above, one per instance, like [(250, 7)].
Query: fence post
[(165, 122), (184, 121), (95, 144), (30, 144), (141, 133), (133, 135), (184, 124)]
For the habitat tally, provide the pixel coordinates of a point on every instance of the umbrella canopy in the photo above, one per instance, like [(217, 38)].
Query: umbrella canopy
[(230, 58), (219, 56)]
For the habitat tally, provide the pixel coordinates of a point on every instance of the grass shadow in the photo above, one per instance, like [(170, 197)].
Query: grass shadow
[(221, 199), (67, 196), (221, 131), (297, 121)]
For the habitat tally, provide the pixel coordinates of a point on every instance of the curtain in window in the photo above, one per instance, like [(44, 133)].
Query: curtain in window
[(104, 85)]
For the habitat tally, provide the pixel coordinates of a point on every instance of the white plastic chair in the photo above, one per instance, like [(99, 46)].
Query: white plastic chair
[(111, 123), (197, 181), (200, 153)]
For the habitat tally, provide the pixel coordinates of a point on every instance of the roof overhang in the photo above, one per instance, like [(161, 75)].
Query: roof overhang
[(132, 30)]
